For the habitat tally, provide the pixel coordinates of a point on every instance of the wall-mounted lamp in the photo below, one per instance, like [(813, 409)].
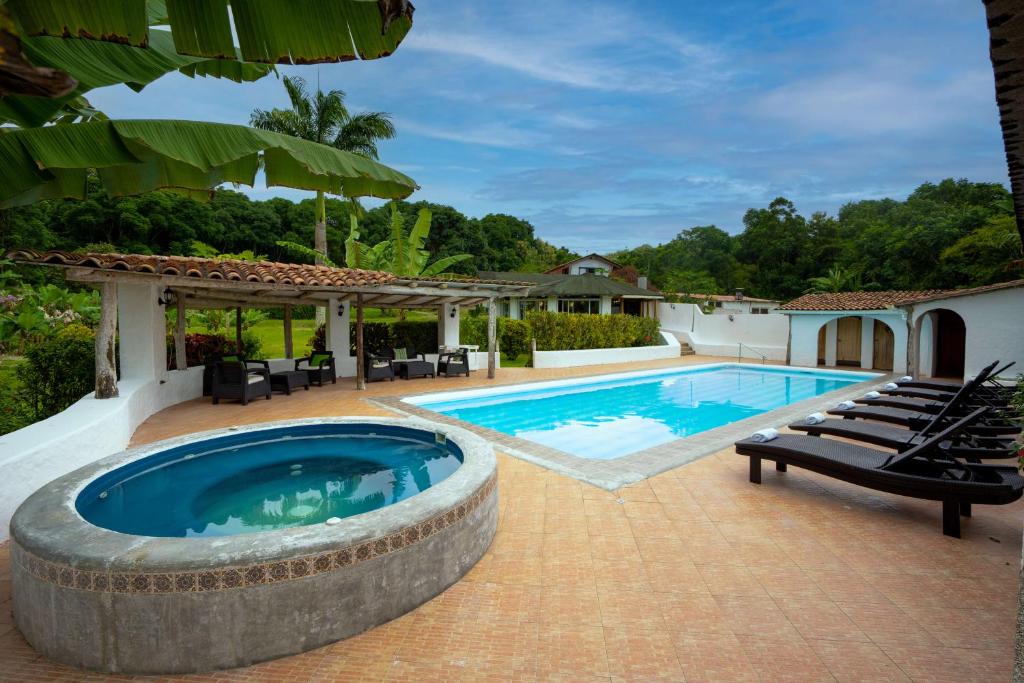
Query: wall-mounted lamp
[(341, 310), (452, 313), (168, 297)]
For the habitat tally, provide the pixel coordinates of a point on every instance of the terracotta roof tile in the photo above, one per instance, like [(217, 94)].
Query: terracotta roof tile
[(232, 270), (855, 301)]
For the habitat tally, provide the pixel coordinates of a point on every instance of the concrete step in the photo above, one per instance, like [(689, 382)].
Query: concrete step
[(686, 350)]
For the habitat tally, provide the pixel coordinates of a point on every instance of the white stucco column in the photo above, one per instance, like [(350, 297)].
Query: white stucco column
[(337, 334), (143, 333), (867, 342), (926, 347), (553, 304), (831, 338), (449, 324), (606, 305)]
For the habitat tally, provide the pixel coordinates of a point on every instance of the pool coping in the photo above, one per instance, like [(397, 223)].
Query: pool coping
[(613, 474)]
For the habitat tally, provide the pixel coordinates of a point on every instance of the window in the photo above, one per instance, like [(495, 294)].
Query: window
[(527, 305), (718, 304), (761, 311), (579, 305)]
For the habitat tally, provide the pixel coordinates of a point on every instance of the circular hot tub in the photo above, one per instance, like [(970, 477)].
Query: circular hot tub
[(226, 548)]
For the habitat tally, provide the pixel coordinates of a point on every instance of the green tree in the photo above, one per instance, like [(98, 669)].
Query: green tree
[(323, 118)]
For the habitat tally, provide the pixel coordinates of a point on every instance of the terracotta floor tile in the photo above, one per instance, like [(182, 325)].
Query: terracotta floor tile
[(887, 624), (662, 550), (637, 655), (857, 662), (630, 609), (680, 576), (947, 664), (712, 657), (783, 659), (571, 651), (570, 606), (749, 615), (724, 579), (819, 618), (614, 548), (693, 613)]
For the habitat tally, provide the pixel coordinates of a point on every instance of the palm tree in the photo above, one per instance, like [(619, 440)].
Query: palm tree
[(838, 280), (323, 118)]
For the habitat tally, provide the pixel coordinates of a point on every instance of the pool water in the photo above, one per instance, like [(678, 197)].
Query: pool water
[(608, 418), (267, 479)]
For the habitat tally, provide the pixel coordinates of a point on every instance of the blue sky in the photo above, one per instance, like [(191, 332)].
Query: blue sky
[(612, 124)]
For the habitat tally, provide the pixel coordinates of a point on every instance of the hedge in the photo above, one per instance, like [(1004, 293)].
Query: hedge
[(513, 335), (379, 337), (58, 370), (575, 331)]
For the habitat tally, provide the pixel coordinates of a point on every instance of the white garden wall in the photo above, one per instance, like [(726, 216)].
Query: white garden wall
[(572, 359), (717, 335), (87, 431)]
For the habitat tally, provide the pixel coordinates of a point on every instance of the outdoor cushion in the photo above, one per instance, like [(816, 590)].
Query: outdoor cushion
[(229, 359), (401, 354), (380, 363), (253, 379), (317, 358)]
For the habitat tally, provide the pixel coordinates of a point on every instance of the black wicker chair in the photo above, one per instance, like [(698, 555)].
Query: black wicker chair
[(234, 379), (453, 363), (377, 368), (320, 366)]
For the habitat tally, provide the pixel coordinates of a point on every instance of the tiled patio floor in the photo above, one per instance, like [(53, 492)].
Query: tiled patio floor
[(692, 575)]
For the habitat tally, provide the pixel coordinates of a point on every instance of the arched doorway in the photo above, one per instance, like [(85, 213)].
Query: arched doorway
[(950, 344), (884, 349), (848, 336), (821, 344)]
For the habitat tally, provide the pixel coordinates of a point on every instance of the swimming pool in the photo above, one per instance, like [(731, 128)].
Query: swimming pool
[(612, 416)]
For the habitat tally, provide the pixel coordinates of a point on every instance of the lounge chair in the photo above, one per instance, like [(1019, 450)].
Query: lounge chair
[(378, 368), (953, 385), (967, 445), (453, 363), (990, 425), (320, 367), (234, 379), (924, 471)]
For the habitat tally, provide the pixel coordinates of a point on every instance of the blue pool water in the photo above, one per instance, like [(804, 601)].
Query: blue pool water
[(610, 418), (268, 479)]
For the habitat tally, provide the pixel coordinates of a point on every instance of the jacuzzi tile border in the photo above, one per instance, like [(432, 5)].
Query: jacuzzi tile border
[(613, 474), (226, 578)]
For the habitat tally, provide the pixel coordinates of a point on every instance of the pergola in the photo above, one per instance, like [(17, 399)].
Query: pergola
[(185, 282)]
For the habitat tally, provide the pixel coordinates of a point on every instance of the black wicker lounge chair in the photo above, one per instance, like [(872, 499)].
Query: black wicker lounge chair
[(453, 363), (234, 379), (378, 368), (924, 471), (320, 367), (967, 445), (953, 385), (990, 425)]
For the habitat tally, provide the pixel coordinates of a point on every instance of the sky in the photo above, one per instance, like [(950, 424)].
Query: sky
[(612, 124)]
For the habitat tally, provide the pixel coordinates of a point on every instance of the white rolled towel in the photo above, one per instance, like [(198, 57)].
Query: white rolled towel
[(762, 435), (891, 386), (814, 419), (872, 394), (906, 378), (846, 405)]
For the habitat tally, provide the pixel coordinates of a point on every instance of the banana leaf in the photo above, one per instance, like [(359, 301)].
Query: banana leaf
[(95, 64), (190, 157), (293, 32)]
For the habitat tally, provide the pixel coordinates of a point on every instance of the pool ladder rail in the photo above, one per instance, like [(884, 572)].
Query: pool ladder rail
[(739, 354)]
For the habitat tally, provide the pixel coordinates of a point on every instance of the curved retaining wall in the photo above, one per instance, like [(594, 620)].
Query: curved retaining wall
[(96, 599)]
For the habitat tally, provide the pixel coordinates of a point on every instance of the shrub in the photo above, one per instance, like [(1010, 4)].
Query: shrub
[(574, 331), (417, 334), (199, 347), (305, 312), (59, 370), (513, 335), (15, 411)]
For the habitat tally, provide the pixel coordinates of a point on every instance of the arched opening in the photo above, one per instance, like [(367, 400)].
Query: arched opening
[(821, 344), (950, 344), (884, 348), (848, 337)]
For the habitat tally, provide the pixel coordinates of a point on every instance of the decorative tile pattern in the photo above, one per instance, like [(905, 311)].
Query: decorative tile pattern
[(226, 578)]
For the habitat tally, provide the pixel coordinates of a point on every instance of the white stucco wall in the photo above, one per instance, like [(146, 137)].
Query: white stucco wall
[(87, 431), (716, 335), (571, 359), (804, 326), (578, 267), (995, 328)]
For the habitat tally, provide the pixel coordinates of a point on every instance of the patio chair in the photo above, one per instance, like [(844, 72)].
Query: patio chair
[(234, 379), (967, 445), (453, 362), (924, 471), (952, 385), (320, 367), (412, 364), (378, 367), (211, 361)]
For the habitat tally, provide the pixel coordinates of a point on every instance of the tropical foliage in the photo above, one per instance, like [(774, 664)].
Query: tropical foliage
[(323, 118), (573, 331), (954, 233), (403, 254)]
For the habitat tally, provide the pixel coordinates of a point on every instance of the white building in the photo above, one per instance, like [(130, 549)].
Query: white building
[(938, 333), (734, 303)]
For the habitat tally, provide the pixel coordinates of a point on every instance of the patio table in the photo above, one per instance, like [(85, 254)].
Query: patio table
[(288, 380)]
